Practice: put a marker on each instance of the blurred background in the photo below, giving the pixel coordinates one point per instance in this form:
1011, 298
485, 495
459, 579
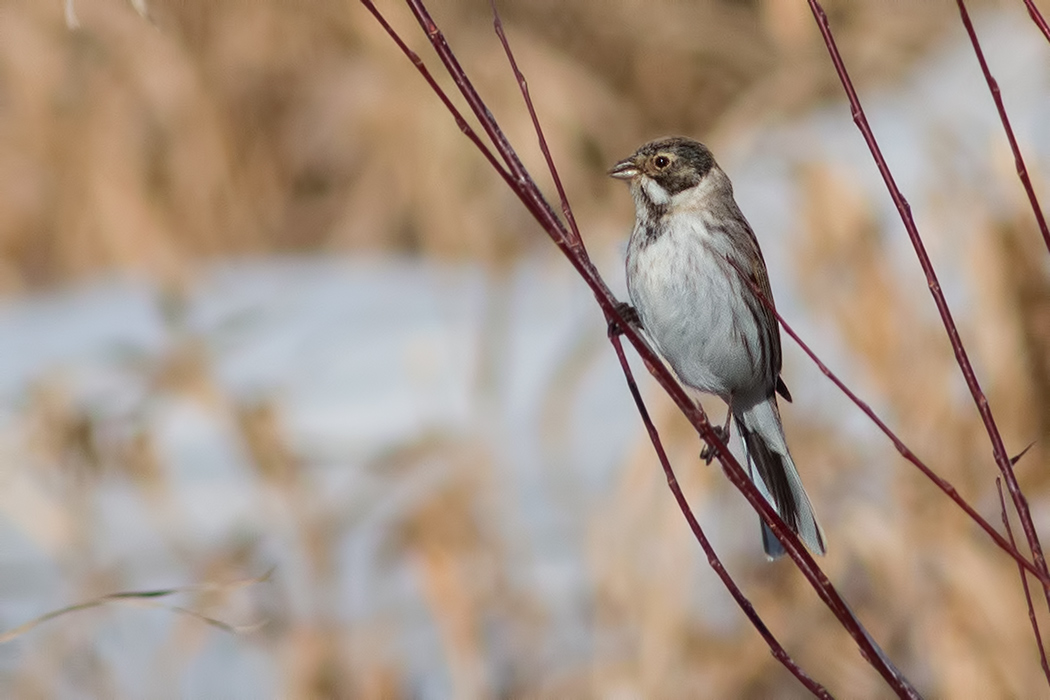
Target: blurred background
264, 307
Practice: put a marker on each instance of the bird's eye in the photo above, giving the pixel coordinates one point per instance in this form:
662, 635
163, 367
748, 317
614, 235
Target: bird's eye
661, 162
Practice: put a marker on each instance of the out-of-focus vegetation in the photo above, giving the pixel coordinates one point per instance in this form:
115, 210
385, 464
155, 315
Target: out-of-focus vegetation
227, 127
223, 128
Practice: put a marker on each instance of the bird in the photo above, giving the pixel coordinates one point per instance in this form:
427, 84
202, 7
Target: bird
693, 268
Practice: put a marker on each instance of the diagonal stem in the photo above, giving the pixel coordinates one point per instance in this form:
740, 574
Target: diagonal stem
525, 188
779, 653
524, 86
425, 72
1038, 18
993, 87
963, 360
942, 483
1024, 581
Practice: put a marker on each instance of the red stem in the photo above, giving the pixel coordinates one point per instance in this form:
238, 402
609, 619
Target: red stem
1024, 581
522, 184
422, 68
524, 86
903, 449
993, 86
1037, 17
779, 652
963, 360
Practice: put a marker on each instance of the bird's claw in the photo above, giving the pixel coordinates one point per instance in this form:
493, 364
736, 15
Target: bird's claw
709, 452
629, 315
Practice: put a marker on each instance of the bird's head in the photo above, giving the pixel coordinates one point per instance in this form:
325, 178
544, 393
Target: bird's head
661, 169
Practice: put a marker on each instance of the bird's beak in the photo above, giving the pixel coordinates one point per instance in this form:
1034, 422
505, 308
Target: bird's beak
624, 170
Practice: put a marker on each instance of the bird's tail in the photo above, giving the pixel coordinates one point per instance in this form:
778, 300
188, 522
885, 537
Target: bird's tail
773, 471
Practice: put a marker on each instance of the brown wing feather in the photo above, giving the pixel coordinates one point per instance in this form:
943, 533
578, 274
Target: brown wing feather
769, 325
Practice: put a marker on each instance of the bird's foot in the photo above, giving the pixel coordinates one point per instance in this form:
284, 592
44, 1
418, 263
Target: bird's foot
629, 315
710, 452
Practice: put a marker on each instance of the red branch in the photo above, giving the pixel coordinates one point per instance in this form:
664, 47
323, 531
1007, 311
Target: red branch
1037, 17
527, 191
963, 360
1024, 581
523, 84
891, 672
993, 86
712, 558
942, 483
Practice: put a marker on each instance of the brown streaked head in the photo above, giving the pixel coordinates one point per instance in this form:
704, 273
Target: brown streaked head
675, 163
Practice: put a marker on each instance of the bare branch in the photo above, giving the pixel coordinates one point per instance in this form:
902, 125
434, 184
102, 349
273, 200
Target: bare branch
993, 87
962, 359
425, 72
1024, 582
942, 483
712, 557
524, 86
527, 191
1037, 17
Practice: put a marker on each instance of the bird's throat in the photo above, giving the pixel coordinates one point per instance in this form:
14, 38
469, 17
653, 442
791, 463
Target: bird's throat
652, 202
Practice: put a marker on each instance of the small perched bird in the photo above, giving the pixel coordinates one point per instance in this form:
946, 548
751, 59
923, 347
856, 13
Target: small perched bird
690, 248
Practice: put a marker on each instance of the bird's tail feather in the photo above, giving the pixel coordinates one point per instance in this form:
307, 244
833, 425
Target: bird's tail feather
773, 471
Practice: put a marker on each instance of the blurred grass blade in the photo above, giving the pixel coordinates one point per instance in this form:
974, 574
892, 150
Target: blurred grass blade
142, 598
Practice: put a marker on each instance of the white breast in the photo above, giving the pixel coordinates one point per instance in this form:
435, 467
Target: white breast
689, 301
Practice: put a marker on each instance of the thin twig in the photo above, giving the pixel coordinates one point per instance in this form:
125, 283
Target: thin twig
527, 191
732, 468
1024, 581
425, 72
993, 86
776, 648
531, 196
963, 360
524, 86
779, 653
942, 483
1037, 17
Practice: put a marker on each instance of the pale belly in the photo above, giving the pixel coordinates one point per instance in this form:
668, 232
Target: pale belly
691, 307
